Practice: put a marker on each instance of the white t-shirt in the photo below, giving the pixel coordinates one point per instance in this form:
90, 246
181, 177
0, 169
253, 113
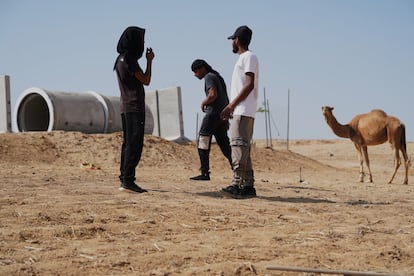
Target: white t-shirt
247, 62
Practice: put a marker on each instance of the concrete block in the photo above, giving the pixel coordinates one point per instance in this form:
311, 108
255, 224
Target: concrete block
167, 110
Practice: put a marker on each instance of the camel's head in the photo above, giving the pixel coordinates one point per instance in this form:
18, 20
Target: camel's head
327, 110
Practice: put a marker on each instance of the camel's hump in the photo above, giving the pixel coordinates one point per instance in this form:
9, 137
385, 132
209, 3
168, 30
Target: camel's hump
379, 112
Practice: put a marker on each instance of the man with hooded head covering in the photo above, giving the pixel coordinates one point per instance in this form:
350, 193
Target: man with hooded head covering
214, 102
131, 80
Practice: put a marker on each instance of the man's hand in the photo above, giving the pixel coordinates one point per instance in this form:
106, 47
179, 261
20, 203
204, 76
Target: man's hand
227, 112
149, 54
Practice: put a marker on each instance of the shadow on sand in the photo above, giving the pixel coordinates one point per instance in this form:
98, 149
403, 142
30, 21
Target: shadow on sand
217, 194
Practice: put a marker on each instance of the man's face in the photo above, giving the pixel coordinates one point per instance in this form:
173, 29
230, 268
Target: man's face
199, 73
235, 47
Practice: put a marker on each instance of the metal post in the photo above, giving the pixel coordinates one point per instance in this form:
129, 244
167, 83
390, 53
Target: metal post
265, 112
288, 119
270, 127
196, 134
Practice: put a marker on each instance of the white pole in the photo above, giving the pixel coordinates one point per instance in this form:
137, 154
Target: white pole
5, 110
327, 271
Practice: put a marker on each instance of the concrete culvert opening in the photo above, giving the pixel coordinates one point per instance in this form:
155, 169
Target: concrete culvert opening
33, 114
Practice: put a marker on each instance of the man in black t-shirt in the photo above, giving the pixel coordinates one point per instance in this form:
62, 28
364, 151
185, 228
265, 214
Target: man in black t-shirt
216, 99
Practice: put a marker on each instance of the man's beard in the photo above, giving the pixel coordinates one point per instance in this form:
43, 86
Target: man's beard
235, 49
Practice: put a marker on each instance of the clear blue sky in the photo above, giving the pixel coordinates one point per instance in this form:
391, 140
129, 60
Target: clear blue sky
355, 55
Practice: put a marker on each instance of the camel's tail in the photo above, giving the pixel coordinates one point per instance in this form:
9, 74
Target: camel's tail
403, 140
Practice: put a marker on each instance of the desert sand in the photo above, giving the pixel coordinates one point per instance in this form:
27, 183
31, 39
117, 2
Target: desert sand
61, 212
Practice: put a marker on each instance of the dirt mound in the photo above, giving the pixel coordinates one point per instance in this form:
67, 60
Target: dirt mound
27, 147
74, 148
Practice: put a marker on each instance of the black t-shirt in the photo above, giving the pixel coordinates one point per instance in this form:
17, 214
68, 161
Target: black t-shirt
222, 100
132, 90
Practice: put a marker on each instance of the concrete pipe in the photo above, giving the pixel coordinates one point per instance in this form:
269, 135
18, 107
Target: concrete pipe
89, 112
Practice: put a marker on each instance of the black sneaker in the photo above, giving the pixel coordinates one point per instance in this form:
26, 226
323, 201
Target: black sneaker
247, 192
234, 191
231, 191
205, 177
131, 188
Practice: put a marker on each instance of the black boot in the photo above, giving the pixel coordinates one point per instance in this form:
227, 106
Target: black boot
203, 176
205, 165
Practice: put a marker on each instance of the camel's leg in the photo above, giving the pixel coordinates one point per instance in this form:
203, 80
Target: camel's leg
366, 158
398, 143
397, 163
406, 164
403, 148
361, 163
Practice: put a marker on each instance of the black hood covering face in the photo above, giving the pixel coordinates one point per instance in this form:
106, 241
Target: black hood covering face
131, 42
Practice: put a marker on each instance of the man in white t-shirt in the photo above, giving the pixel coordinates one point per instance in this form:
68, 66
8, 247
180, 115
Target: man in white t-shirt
242, 109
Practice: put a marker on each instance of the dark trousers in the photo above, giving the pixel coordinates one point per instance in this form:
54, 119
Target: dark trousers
214, 125
133, 125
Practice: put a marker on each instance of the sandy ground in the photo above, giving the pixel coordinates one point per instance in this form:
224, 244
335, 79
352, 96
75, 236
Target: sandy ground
60, 218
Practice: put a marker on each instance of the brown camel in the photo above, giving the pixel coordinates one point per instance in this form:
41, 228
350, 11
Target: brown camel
370, 129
